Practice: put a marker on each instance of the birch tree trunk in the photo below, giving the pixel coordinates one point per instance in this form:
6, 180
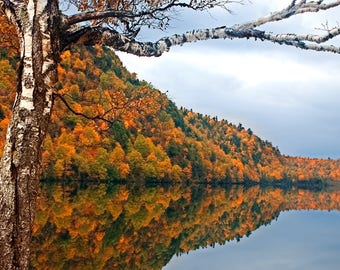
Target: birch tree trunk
43, 36
21, 161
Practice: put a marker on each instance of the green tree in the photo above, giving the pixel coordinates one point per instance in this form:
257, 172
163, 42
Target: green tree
136, 162
121, 134
142, 145
44, 32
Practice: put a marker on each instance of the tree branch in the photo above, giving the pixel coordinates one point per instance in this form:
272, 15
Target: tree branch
7, 7
96, 117
111, 38
96, 15
146, 9
293, 9
309, 38
129, 16
116, 104
92, 35
14, 10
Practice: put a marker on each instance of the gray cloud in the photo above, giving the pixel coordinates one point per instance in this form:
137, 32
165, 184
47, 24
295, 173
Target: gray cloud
287, 96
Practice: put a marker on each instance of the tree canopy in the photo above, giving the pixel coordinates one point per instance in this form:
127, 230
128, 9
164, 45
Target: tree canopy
44, 32
118, 23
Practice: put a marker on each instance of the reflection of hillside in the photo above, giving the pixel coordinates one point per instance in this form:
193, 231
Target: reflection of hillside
114, 227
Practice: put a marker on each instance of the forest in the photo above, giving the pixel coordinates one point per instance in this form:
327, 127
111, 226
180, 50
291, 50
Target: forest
110, 125
138, 227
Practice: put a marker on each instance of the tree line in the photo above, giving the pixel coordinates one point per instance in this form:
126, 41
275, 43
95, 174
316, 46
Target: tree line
139, 227
109, 125
44, 31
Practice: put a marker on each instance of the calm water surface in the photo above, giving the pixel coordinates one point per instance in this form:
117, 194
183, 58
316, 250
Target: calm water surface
297, 240
108, 226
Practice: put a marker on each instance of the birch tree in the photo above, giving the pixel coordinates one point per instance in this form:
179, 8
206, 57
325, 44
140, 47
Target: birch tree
44, 32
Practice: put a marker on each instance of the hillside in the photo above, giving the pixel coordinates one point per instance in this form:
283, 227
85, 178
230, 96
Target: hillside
109, 125
117, 227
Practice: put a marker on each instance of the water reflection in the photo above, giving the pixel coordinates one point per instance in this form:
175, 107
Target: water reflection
117, 227
298, 240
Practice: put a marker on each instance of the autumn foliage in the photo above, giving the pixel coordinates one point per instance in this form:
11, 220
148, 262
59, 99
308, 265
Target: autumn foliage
109, 125
120, 227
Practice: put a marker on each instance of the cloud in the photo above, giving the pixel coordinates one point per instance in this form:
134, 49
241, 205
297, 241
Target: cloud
285, 95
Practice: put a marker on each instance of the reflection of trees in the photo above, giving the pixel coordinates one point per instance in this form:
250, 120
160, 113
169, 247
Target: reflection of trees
116, 227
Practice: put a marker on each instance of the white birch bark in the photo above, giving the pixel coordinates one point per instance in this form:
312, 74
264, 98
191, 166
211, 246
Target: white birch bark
43, 34
20, 164
109, 37
112, 37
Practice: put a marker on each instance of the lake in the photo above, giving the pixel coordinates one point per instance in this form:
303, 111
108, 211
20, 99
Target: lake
108, 226
297, 240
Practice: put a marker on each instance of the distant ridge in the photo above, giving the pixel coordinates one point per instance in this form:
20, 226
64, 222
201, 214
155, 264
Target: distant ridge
109, 125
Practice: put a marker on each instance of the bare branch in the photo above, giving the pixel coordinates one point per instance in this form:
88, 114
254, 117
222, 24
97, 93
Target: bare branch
298, 41
7, 7
116, 104
293, 9
91, 35
138, 10
310, 38
130, 16
13, 9
109, 37
69, 107
96, 15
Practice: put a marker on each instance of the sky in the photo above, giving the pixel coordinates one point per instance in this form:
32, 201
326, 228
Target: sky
296, 240
287, 96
